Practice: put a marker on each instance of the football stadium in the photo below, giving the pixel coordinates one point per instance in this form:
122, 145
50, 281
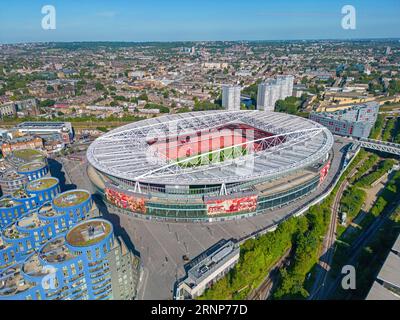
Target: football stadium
210, 165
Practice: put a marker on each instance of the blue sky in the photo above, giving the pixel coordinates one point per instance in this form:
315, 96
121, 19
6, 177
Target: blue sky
176, 20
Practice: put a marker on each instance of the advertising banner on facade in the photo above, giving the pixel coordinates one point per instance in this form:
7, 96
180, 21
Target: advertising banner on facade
232, 206
324, 172
126, 201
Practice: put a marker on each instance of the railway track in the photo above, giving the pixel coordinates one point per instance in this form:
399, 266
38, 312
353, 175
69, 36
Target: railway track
329, 241
262, 292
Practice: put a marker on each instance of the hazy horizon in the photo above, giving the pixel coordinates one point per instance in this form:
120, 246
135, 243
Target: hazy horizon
196, 21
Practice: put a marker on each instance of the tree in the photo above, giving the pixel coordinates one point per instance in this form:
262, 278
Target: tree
144, 97
99, 86
289, 105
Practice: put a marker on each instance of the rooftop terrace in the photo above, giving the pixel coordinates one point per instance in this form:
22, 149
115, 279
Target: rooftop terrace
32, 166
71, 198
11, 232
56, 251
31, 221
12, 282
11, 175
21, 194
88, 233
8, 203
41, 184
47, 211
33, 267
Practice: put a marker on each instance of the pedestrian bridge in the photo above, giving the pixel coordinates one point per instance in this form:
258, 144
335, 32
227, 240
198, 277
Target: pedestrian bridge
379, 145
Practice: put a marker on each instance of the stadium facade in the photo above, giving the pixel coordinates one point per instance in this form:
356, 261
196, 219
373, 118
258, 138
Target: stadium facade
208, 166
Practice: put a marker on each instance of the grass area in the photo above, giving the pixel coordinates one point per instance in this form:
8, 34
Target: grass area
41, 184
352, 201
205, 159
28, 154
31, 166
378, 172
377, 129
396, 138
103, 129
389, 130
79, 237
71, 198
370, 159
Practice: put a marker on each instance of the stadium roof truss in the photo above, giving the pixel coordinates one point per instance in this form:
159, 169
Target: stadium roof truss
295, 143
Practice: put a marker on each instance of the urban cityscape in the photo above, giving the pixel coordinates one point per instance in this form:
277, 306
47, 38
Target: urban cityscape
200, 169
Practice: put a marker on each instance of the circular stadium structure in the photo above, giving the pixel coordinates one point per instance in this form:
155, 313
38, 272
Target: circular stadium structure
210, 165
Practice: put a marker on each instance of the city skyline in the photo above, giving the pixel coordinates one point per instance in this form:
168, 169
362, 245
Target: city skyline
181, 21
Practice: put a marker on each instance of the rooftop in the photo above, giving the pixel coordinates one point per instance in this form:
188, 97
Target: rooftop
211, 262
89, 233
11, 175
390, 270
41, 184
20, 194
32, 267
41, 125
379, 292
71, 198
56, 251
6, 202
32, 166
28, 155
293, 142
47, 211
30, 221
341, 114
12, 281
11, 232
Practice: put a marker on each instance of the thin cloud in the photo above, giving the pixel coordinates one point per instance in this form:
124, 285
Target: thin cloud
107, 14
296, 14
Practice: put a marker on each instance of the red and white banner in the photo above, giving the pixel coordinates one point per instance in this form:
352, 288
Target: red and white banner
324, 172
124, 201
232, 206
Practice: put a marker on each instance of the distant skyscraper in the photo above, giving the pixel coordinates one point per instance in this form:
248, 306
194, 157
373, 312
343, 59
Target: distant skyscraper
231, 97
273, 90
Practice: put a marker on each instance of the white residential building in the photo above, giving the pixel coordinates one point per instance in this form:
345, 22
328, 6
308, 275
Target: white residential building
231, 97
273, 90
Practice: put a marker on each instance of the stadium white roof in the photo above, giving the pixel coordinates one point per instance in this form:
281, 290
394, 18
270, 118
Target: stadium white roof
125, 152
